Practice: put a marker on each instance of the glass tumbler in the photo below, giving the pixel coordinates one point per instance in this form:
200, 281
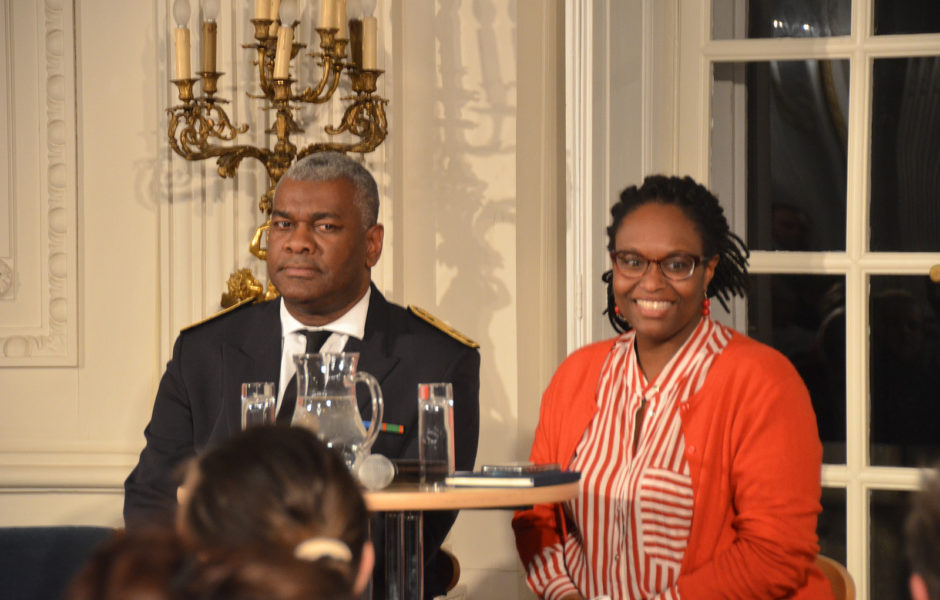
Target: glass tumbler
258, 401
435, 433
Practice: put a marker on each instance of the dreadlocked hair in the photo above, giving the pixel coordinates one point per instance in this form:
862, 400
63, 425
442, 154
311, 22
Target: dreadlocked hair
703, 209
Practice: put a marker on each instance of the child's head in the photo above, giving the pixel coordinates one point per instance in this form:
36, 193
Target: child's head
268, 576
279, 488
154, 565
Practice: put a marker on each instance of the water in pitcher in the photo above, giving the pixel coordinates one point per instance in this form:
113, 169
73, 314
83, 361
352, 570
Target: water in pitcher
305, 417
338, 425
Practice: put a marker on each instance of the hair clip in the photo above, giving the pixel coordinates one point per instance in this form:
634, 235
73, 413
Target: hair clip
313, 549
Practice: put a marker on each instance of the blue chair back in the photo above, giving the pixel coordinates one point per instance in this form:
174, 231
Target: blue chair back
37, 563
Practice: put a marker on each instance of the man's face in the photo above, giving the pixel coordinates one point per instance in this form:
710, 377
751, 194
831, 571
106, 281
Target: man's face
319, 253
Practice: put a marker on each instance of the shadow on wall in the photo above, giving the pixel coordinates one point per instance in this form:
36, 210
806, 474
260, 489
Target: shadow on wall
475, 155
472, 182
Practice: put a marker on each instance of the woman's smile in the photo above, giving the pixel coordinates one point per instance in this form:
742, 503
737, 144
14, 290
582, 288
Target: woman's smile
653, 308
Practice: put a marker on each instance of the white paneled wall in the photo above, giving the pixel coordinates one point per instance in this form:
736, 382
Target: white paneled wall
77, 325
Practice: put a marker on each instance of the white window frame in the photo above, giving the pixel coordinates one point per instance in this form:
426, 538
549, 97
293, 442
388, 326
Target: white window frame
676, 71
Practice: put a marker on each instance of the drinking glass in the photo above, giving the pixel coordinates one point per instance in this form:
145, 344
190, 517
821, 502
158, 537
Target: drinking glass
435, 433
258, 401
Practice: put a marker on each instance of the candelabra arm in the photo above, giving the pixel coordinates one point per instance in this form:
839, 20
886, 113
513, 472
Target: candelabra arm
330, 77
193, 125
331, 64
199, 120
231, 157
256, 247
265, 66
364, 117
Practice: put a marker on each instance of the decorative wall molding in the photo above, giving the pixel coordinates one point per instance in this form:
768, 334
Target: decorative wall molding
38, 279
579, 142
21, 471
6, 147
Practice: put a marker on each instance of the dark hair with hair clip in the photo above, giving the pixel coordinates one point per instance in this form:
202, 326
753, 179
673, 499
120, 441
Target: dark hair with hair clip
276, 575
153, 564
703, 209
274, 487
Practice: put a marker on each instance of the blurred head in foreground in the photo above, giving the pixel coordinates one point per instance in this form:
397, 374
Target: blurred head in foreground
155, 565
277, 489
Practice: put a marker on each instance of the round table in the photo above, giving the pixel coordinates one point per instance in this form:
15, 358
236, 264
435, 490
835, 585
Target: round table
404, 506
411, 497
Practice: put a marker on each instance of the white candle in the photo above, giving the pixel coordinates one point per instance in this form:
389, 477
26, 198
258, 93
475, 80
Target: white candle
275, 16
181, 39
341, 20
262, 9
369, 37
209, 29
210, 11
285, 39
327, 12
182, 53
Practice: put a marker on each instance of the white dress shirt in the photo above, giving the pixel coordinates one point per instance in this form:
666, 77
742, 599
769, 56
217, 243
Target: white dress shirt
351, 324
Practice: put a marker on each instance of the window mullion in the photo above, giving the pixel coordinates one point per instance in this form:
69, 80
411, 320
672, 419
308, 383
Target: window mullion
856, 307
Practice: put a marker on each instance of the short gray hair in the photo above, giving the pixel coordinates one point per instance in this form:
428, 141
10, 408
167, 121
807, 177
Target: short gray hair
326, 166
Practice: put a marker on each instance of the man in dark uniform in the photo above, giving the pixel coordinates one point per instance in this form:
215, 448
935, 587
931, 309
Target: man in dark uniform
322, 243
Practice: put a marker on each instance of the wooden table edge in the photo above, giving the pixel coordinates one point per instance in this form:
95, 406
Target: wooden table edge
410, 498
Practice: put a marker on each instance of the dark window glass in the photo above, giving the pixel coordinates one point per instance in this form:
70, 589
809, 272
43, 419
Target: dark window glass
907, 16
796, 151
831, 524
803, 316
780, 18
904, 373
905, 162
888, 569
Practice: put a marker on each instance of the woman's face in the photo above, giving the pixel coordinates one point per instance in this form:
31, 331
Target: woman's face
661, 311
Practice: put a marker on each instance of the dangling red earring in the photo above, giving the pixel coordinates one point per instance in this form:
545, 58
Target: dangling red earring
617, 311
706, 307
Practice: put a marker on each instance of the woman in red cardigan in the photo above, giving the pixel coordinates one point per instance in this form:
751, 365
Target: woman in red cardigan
697, 445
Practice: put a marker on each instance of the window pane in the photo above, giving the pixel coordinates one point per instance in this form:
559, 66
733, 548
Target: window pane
739, 19
791, 156
831, 525
887, 569
803, 316
904, 372
907, 16
905, 135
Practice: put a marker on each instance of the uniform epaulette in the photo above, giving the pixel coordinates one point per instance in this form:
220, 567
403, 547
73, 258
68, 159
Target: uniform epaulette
224, 311
437, 323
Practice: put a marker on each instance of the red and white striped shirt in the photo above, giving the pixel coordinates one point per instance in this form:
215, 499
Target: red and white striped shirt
630, 524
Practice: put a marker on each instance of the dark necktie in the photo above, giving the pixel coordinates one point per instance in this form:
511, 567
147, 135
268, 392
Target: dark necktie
315, 340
